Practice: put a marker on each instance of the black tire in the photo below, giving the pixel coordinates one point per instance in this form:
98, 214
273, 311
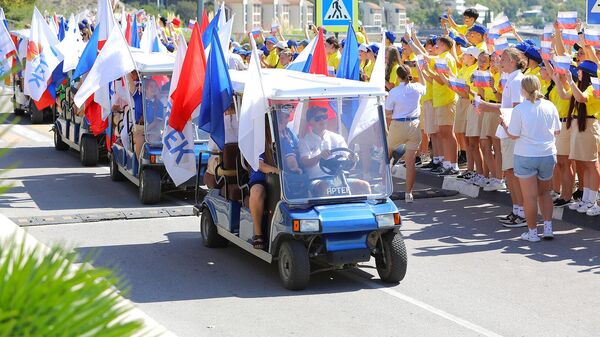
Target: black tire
115, 174
149, 186
391, 264
36, 116
59, 145
294, 265
88, 151
208, 229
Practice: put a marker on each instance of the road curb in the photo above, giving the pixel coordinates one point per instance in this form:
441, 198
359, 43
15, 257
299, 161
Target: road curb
496, 197
11, 231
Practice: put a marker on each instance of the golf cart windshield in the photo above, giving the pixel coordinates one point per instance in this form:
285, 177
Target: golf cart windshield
331, 149
156, 108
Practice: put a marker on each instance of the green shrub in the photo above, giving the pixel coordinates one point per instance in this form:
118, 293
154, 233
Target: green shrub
46, 294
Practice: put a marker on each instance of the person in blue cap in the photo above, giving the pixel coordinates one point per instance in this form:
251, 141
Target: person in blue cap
390, 38
585, 135
292, 45
272, 59
475, 36
533, 64
301, 45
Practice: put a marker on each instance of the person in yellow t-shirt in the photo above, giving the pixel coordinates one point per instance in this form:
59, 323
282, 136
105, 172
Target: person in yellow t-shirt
370, 56
585, 134
392, 57
444, 103
271, 60
533, 64
332, 48
475, 36
463, 107
390, 38
409, 58
470, 16
561, 98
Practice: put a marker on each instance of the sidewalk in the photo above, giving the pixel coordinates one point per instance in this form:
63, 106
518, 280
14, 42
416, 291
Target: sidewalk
498, 197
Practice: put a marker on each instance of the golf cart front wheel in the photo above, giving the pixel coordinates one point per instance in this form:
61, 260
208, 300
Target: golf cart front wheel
208, 229
88, 151
392, 261
59, 145
115, 174
37, 116
150, 186
294, 265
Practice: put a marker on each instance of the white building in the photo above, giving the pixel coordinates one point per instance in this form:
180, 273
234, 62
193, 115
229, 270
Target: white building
370, 14
395, 16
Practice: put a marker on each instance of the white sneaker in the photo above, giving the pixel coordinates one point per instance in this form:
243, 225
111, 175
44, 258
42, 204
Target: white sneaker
531, 238
585, 206
479, 180
554, 195
575, 205
408, 198
548, 234
594, 211
494, 185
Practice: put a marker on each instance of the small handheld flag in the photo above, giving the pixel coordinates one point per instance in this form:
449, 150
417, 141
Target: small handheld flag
562, 64
442, 66
458, 84
420, 60
592, 37
493, 34
570, 36
596, 86
567, 20
500, 44
502, 24
548, 31
502, 82
482, 79
546, 50
256, 33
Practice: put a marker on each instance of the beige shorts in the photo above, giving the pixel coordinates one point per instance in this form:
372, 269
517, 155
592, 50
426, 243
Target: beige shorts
563, 140
460, 119
489, 125
584, 145
507, 146
408, 133
213, 162
429, 121
445, 114
474, 122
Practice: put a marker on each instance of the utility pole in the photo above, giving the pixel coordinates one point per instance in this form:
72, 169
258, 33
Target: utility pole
200, 10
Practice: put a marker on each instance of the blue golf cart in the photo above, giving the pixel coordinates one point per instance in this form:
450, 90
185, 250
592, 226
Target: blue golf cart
137, 155
330, 215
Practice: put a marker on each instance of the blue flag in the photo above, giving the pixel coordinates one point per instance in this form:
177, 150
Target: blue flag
217, 95
88, 57
61, 29
135, 39
349, 67
212, 26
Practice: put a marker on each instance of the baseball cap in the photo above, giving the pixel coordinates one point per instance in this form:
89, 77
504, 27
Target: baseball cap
473, 51
363, 47
589, 67
477, 28
271, 39
281, 45
390, 36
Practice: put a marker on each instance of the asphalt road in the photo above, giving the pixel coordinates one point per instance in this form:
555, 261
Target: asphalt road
467, 276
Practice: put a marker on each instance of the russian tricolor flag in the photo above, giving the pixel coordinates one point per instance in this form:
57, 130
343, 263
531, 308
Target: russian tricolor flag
481, 79
500, 44
546, 49
592, 37
458, 84
502, 24
493, 34
420, 60
596, 86
256, 33
562, 64
502, 82
570, 36
548, 31
567, 20
442, 66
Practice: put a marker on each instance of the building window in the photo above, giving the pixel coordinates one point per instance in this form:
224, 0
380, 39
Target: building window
309, 15
377, 19
256, 15
285, 13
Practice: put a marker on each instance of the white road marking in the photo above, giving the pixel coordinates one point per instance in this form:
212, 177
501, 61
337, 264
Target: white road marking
460, 321
23, 131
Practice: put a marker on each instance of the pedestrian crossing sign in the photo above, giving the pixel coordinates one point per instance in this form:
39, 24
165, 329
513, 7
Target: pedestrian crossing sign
593, 12
334, 15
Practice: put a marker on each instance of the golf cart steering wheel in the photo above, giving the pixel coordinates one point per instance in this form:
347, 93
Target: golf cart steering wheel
339, 163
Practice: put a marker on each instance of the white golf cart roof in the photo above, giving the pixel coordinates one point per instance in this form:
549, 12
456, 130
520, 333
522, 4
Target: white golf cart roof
289, 84
152, 62
21, 33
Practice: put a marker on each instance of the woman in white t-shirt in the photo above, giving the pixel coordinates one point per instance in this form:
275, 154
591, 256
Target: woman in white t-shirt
534, 125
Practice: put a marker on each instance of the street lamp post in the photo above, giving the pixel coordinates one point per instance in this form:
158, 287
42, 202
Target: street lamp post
200, 10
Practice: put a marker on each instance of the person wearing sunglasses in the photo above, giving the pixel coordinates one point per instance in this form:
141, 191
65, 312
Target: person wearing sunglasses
316, 145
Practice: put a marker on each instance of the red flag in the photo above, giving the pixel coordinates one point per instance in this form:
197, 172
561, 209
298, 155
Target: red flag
45, 101
204, 22
128, 30
188, 94
318, 65
93, 113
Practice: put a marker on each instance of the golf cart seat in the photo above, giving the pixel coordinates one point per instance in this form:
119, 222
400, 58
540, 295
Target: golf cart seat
227, 172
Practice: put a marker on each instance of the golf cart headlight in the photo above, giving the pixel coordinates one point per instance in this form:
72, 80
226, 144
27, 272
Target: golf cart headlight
156, 159
388, 220
312, 225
